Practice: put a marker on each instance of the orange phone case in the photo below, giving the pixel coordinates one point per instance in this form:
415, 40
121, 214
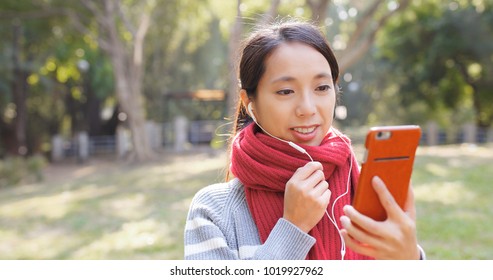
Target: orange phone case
390, 152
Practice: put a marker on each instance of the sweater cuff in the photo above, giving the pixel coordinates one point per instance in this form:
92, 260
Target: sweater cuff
287, 242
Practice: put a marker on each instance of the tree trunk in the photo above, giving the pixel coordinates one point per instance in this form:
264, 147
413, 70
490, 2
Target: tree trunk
71, 107
477, 104
271, 13
19, 94
92, 111
319, 10
128, 66
234, 55
127, 60
129, 94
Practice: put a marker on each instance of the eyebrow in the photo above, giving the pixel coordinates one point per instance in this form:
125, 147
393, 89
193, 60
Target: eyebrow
289, 78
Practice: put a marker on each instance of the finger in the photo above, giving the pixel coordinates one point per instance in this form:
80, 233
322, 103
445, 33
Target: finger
365, 223
324, 198
310, 172
320, 188
386, 199
360, 232
355, 232
307, 170
309, 185
363, 242
356, 246
409, 206
315, 179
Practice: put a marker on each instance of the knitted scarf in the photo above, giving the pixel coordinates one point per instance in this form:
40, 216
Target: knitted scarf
264, 165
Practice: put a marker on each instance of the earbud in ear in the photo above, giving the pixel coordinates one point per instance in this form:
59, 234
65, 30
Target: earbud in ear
250, 111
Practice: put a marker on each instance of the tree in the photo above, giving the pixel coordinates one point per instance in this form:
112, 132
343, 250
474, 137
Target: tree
19, 91
318, 10
355, 37
360, 32
443, 62
234, 47
121, 33
25, 46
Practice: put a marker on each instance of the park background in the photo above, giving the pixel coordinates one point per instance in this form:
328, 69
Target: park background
113, 114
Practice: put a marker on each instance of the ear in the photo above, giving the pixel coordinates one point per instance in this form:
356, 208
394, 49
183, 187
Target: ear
247, 102
244, 98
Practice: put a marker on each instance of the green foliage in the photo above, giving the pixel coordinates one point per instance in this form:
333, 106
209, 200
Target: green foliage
438, 54
432, 60
16, 170
49, 52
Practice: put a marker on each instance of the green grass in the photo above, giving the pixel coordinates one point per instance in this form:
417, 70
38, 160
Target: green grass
454, 193
108, 210
105, 210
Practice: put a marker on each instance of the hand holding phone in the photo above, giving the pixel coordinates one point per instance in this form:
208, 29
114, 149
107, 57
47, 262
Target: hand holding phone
390, 152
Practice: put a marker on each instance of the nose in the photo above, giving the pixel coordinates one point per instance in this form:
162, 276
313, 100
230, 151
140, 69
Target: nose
306, 105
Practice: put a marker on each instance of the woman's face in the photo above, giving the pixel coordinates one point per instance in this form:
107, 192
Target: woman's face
296, 96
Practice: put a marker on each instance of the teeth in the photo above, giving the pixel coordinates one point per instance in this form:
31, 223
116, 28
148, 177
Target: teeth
304, 130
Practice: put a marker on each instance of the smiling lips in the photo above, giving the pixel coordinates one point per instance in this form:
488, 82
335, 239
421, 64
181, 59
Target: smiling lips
304, 134
304, 130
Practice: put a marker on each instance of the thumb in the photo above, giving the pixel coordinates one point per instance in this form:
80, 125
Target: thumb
386, 199
409, 206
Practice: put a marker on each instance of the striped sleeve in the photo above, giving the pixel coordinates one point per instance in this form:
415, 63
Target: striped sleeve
204, 238
286, 242
219, 226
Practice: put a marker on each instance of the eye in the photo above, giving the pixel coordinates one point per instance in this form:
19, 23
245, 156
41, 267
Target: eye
323, 88
285, 91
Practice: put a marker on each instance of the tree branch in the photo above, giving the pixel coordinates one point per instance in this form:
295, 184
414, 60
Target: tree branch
271, 13
353, 54
91, 6
139, 41
108, 22
362, 23
9, 15
319, 9
233, 55
125, 20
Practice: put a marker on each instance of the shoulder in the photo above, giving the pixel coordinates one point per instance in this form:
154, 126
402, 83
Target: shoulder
210, 230
220, 192
215, 198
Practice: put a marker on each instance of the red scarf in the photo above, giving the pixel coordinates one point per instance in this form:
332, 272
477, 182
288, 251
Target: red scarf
264, 165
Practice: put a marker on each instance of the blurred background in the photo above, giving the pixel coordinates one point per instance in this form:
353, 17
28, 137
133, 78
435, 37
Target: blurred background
113, 114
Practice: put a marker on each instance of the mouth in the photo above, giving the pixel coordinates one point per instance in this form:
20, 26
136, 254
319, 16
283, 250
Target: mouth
304, 130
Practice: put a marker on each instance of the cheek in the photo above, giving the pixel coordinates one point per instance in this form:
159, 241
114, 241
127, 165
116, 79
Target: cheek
329, 108
275, 117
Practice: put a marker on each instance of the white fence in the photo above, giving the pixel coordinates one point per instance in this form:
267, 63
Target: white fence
178, 136
182, 134
432, 135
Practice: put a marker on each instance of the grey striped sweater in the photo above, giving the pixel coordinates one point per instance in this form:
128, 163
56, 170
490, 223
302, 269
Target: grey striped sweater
219, 226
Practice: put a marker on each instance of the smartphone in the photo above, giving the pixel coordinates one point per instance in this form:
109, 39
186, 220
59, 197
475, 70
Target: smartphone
390, 152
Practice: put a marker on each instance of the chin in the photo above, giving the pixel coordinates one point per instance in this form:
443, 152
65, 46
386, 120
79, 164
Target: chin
314, 143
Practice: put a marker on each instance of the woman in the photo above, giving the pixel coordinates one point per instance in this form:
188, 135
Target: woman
294, 174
